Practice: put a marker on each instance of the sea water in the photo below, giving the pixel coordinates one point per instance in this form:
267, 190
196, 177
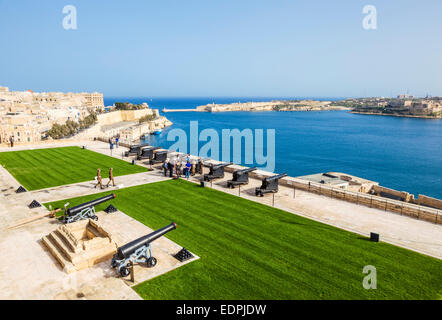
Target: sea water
400, 153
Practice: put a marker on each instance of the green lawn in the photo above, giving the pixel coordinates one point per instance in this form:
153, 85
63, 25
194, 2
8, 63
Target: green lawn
252, 251
44, 168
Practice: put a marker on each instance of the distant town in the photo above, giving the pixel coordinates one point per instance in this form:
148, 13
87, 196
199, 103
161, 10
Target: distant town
403, 106
29, 117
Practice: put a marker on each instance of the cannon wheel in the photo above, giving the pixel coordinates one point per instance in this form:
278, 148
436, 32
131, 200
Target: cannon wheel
124, 272
151, 262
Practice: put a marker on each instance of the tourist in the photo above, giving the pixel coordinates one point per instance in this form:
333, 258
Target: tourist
99, 179
193, 168
199, 167
11, 141
165, 166
188, 165
111, 145
178, 169
111, 177
170, 167
117, 140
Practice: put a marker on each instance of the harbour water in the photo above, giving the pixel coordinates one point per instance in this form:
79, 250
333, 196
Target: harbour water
400, 153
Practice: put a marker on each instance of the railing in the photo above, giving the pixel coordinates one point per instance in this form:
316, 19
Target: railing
372, 201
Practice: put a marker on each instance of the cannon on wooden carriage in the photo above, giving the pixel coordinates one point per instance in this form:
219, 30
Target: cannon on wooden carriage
146, 152
216, 171
138, 251
134, 150
240, 177
269, 184
85, 210
159, 156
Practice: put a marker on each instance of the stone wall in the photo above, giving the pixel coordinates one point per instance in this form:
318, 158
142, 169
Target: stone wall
386, 192
428, 201
109, 118
372, 201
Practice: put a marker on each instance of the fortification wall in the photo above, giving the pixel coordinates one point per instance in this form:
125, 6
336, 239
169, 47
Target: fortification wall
405, 196
122, 115
428, 201
403, 208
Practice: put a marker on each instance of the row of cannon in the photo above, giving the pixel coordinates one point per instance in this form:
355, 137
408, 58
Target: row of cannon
146, 152
241, 177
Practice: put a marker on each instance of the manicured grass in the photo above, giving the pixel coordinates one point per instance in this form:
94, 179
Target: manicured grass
44, 168
252, 251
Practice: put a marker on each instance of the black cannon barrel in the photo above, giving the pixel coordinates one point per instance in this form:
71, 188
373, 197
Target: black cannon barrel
221, 165
73, 210
241, 171
279, 176
126, 250
149, 148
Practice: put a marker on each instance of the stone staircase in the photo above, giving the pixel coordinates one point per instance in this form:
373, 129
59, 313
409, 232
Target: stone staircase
59, 250
79, 245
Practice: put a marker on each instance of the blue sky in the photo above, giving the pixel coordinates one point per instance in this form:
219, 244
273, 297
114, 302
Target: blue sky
223, 48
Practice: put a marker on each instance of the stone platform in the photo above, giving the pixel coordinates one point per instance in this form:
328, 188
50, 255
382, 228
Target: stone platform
80, 245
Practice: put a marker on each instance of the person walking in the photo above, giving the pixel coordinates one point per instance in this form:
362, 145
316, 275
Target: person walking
165, 166
111, 146
11, 141
111, 177
188, 165
99, 179
117, 140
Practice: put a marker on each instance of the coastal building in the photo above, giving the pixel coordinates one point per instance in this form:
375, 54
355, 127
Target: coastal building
94, 100
404, 96
27, 115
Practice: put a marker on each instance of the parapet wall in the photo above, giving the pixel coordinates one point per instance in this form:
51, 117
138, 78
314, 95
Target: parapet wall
403, 208
122, 115
402, 195
428, 201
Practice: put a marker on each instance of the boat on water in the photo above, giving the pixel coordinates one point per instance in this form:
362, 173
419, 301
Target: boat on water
157, 132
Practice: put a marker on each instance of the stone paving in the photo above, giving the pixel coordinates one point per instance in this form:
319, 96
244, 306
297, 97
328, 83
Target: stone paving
28, 270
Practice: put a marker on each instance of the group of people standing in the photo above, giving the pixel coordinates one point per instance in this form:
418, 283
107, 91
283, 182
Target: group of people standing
114, 141
100, 179
187, 168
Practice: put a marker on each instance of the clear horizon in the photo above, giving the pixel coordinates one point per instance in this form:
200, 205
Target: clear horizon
223, 49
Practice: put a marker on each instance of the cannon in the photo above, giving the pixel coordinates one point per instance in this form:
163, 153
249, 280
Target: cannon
133, 150
159, 156
146, 152
85, 210
138, 251
216, 171
269, 184
240, 177
199, 166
